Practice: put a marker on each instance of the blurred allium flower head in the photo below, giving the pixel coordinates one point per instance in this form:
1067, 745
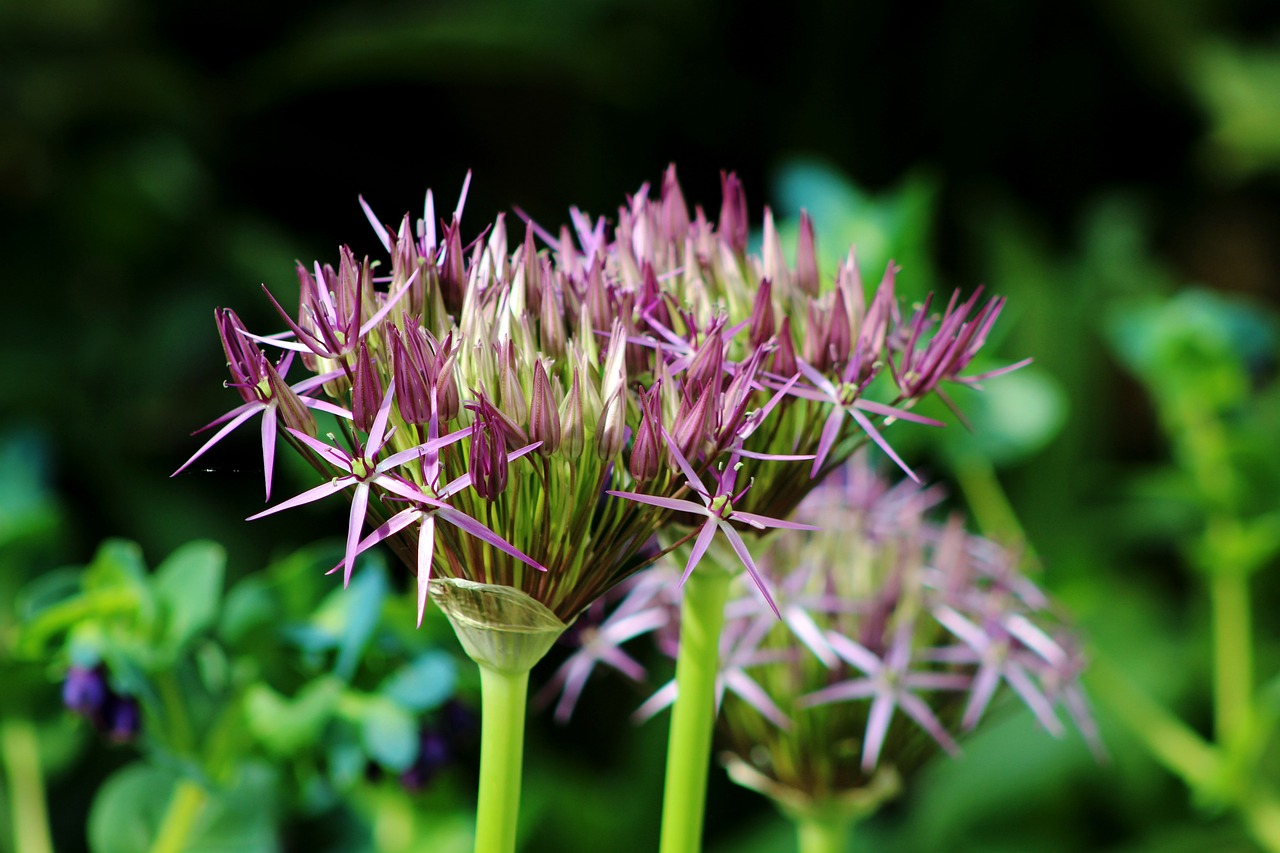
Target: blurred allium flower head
897, 635
529, 409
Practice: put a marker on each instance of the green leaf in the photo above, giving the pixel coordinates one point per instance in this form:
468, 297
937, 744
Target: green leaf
389, 734
130, 808
423, 684
250, 604
285, 727
189, 584
117, 563
350, 615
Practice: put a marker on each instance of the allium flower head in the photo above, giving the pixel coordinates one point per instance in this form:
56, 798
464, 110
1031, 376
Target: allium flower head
560, 398
896, 635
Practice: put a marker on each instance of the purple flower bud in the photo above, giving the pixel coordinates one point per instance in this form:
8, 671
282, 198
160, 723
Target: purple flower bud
488, 457
573, 431
544, 419
675, 212
784, 357
733, 227
807, 276
513, 403
366, 393
763, 324
448, 400
453, 276
839, 331
815, 339
691, 423
85, 690
551, 331
648, 449
611, 428
122, 718
532, 272
410, 369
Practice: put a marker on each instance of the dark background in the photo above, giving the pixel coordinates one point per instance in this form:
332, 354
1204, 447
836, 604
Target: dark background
161, 159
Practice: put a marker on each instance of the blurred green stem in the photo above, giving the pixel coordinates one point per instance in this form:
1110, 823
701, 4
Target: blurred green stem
823, 834
991, 508
1169, 740
185, 807
502, 708
693, 716
1232, 655
27, 809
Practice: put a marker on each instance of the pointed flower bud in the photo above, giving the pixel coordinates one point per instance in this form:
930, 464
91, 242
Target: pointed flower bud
807, 277
573, 433
675, 212
488, 457
648, 449
513, 404
611, 429
544, 418
366, 393
784, 357
409, 363
292, 411
762, 320
839, 331
733, 227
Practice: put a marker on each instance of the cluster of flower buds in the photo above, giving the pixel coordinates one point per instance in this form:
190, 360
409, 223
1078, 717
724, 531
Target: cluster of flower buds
87, 693
557, 402
896, 634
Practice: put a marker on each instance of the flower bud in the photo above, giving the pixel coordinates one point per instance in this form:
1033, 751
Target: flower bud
544, 419
675, 212
762, 320
773, 260
784, 357
488, 459
366, 392
807, 277
647, 450
733, 227
293, 412
839, 331
573, 435
513, 404
690, 428
815, 338
551, 332
611, 428
412, 376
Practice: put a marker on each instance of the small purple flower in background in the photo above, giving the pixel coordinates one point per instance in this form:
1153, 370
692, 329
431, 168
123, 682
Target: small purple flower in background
87, 692
896, 636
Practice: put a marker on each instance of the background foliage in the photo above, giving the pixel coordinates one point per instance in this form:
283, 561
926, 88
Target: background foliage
1111, 167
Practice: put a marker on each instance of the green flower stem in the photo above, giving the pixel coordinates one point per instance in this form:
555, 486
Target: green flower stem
823, 834
28, 812
694, 713
185, 807
502, 709
1232, 656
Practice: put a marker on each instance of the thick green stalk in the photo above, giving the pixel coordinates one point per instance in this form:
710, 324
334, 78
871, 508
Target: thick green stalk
1232, 655
28, 812
826, 834
694, 713
502, 704
185, 807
